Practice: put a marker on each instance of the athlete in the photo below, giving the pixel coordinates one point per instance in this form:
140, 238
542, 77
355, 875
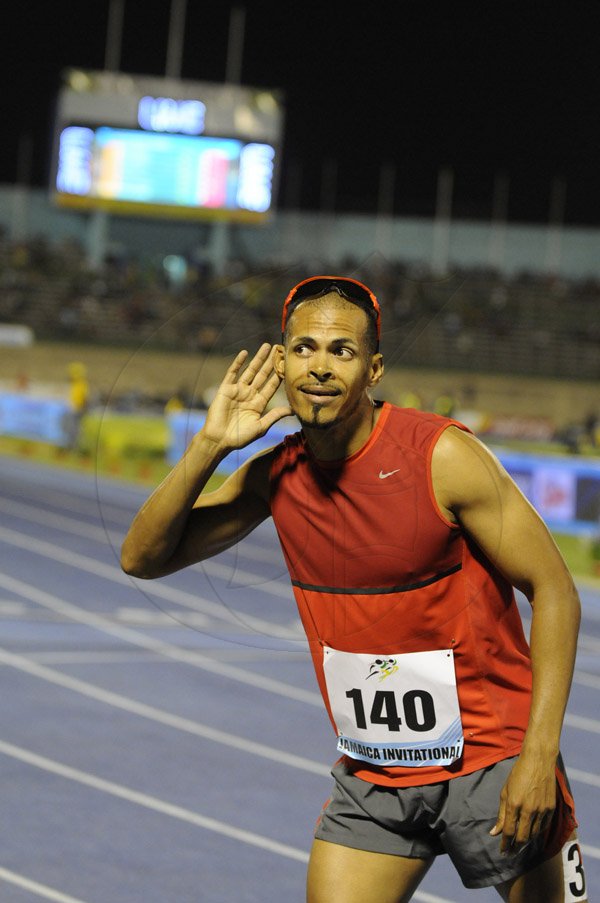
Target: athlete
404, 538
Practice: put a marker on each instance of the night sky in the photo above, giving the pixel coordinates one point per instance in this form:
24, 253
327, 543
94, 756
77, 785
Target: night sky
509, 89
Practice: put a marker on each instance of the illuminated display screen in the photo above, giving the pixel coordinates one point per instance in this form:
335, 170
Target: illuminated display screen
116, 167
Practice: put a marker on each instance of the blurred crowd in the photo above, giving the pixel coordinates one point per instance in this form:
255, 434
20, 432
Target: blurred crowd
476, 320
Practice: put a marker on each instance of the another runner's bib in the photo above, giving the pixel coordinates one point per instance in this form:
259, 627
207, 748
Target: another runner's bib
395, 709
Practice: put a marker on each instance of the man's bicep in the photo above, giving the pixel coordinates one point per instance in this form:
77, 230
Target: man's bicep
514, 537
215, 528
472, 483
221, 518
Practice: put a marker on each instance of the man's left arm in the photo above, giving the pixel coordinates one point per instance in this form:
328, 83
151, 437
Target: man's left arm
473, 489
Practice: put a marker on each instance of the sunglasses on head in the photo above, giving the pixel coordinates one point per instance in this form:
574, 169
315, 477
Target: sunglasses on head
316, 286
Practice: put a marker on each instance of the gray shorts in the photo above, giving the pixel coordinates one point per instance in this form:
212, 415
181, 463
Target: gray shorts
453, 817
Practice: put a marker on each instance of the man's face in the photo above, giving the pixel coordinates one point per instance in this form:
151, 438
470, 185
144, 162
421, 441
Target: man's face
325, 365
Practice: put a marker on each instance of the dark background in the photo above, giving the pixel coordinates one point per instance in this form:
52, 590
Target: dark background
490, 90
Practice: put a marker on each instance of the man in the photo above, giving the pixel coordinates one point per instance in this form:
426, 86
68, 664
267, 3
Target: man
404, 538
79, 396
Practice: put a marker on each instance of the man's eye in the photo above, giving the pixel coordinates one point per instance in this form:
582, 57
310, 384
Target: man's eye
344, 353
302, 349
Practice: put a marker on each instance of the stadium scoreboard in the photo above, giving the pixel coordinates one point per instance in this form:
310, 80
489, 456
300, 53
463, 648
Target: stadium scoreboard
143, 145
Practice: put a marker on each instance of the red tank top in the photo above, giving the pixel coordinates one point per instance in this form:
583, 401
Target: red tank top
376, 568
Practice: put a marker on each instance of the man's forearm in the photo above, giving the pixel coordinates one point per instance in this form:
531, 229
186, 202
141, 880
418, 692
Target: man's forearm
158, 526
553, 643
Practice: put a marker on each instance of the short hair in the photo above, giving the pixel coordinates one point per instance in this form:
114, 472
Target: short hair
370, 338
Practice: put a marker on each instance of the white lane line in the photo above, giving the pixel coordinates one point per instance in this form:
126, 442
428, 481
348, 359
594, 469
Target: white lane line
125, 614
591, 725
586, 642
212, 567
11, 609
164, 808
151, 802
592, 852
161, 590
149, 616
428, 898
145, 617
194, 658
127, 704
584, 777
180, 597
58, 521
93, 691
585, 679
189, 600
92, 657
41, 890
247, 548
168, 650
123, 517
97, 657
101, 623
90, 506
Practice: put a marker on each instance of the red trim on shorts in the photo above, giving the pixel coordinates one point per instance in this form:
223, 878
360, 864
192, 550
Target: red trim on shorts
322, 812
563, 821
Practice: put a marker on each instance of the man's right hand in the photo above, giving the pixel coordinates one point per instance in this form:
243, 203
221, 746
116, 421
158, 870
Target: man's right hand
238, 414
162, 537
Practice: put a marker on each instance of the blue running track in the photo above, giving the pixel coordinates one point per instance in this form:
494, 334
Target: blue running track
164, 741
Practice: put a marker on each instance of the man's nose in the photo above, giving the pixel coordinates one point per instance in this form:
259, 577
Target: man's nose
320, 369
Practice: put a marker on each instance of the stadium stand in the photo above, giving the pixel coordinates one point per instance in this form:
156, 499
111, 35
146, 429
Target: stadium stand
475, 320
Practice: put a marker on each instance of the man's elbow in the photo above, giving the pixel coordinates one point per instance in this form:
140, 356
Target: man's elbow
556, 589
566, 595
135, 565
575, 602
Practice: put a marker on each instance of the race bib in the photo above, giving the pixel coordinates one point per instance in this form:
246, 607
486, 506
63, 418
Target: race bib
573, 873
395, 710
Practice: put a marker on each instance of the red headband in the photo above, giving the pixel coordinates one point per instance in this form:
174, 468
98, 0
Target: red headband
351, 289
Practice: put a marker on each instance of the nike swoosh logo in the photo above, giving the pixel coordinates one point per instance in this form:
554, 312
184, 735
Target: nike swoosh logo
384, 476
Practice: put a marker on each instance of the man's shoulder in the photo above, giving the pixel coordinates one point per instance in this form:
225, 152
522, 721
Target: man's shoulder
289, 447
267, 463
416, 428
417, 415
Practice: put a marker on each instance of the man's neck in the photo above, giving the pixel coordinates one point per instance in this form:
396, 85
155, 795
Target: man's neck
343, 439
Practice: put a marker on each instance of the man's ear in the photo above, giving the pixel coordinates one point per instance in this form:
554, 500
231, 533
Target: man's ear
279, 360
377, 369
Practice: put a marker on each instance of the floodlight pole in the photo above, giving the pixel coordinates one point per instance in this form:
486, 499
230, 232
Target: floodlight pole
327, 205
558, 195
499, 220
176, 39
441, 225
385, 208
220, 231
20, 194
235, 46
114, 35
98, 220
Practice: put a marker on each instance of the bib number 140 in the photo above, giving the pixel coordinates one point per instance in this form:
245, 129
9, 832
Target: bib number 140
418, 710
